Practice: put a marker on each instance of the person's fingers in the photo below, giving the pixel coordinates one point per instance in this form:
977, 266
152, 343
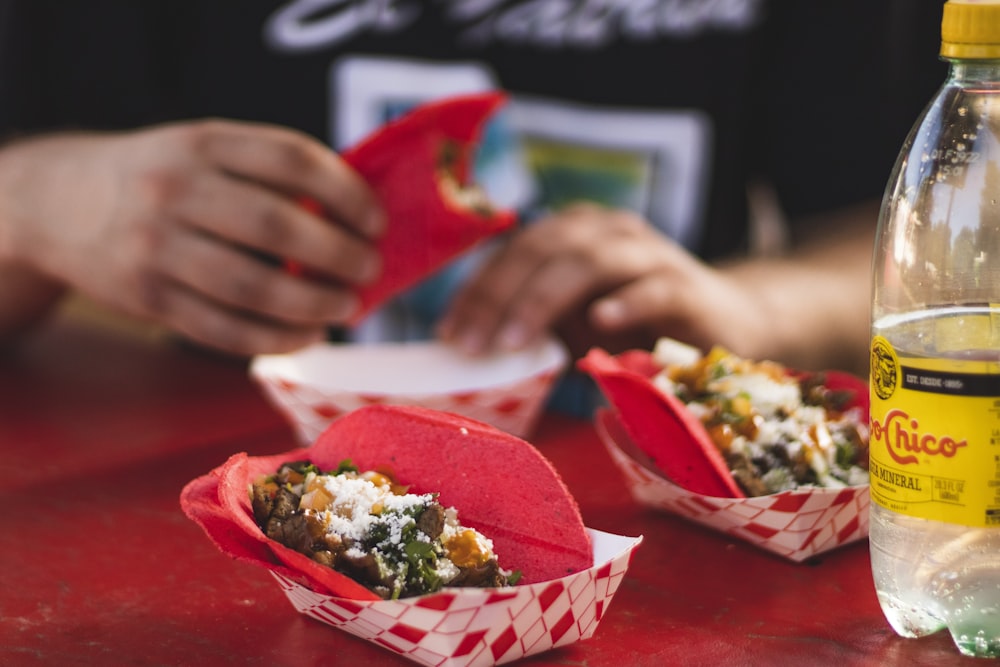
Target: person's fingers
250, 215
235, 279
569, 281
555, 289
688, 301
546, 270
639, 303
294, 163
480, 305
205, 322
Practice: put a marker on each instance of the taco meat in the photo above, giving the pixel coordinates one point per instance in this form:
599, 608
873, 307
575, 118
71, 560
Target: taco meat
368, 527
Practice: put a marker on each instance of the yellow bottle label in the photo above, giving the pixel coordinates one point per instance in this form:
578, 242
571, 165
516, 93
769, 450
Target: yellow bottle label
935, 436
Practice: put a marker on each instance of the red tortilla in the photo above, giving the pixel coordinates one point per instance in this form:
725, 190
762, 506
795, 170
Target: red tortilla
500, 485
661, 425
666, 431
404, 163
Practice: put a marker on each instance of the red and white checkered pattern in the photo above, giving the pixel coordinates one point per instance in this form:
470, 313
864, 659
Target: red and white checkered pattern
513, 408
474, 626
795, 524
304, 386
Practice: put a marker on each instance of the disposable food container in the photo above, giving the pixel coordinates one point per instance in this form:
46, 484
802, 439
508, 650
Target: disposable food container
670, 463
796, 525
317, 384
567, 573
481, 626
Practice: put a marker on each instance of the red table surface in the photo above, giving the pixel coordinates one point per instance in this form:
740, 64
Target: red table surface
98, 566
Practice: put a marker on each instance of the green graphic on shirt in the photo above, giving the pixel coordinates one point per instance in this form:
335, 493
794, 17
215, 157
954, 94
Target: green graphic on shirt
567, 173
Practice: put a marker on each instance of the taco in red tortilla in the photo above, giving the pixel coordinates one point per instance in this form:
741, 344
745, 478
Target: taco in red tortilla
720, 425
420, 167
500, 486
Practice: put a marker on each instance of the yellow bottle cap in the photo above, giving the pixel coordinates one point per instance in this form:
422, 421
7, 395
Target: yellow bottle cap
970, 29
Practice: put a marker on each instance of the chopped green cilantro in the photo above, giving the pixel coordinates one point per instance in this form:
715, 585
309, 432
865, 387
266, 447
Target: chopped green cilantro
345, 466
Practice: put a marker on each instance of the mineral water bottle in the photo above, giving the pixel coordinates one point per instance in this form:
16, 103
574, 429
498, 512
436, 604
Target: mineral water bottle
935, 354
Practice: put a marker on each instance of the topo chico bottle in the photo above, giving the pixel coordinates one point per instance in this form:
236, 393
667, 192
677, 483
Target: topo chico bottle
935, 354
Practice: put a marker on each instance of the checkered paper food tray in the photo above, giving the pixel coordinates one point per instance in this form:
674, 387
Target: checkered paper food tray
474, 626
796, 525
315, 386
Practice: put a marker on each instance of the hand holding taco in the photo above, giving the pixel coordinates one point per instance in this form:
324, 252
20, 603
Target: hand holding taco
420, 168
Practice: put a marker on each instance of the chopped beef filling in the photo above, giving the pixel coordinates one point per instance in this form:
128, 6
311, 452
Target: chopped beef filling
775, 431
369, 528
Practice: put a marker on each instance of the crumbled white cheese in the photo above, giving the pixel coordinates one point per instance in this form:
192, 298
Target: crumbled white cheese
357, 501
665, 384
446, 570
670, 352
769, 396
781, 419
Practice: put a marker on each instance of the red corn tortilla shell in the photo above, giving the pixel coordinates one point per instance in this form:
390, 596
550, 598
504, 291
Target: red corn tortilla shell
427, 224
669, 434
661, 425
500, 485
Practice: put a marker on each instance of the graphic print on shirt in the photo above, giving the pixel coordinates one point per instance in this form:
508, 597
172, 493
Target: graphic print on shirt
536, 156
306, 25
540, 153
651, 162
365, 92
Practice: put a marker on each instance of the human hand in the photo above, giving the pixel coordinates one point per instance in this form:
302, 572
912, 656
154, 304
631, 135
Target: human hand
600, 277
186, 225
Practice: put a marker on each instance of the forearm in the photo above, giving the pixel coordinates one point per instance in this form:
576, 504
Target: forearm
815, 301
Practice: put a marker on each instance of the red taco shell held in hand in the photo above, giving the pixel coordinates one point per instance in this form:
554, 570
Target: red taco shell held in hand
420, 169
499, 484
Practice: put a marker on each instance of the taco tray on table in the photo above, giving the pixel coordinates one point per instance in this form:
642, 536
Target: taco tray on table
101, 561
403, 526
769, 455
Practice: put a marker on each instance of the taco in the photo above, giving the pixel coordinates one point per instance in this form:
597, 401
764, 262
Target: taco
420, 167
500, 486
363, 523
721, 425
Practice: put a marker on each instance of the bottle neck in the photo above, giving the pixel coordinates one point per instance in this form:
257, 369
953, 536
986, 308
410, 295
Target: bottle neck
966, 72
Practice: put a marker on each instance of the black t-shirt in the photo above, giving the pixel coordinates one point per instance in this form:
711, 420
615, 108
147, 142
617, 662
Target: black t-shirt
670, 107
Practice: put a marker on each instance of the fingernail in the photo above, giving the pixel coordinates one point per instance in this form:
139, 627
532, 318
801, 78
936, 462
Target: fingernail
445, 328
610, 311
513, 336
349, 305
472, 342
373, 224
371, 268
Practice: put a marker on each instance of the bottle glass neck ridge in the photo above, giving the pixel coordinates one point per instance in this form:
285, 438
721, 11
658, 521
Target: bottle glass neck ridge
967, 72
